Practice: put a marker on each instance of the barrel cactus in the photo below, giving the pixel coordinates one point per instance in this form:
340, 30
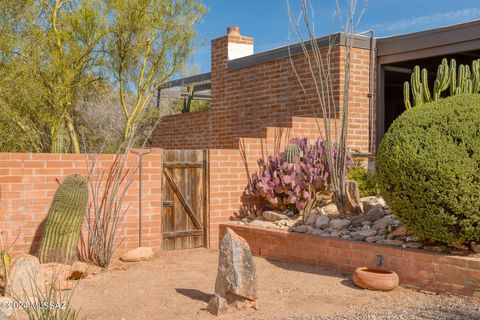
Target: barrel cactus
64, 221
292, 153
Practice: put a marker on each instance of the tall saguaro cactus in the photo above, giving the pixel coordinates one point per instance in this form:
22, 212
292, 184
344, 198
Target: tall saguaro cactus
64, 221
464, 80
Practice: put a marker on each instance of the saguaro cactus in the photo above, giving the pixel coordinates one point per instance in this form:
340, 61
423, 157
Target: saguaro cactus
64, 221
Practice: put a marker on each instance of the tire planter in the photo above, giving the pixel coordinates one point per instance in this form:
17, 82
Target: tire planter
374, 279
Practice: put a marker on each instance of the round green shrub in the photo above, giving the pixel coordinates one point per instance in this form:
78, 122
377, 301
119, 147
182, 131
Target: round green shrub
428, 169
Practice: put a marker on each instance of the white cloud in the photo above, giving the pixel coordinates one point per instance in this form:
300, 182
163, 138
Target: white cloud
421, 23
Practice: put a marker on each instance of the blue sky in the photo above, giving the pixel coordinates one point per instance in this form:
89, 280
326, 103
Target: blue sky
267, 20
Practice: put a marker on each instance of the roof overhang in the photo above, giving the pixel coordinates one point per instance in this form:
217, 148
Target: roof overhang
435, 42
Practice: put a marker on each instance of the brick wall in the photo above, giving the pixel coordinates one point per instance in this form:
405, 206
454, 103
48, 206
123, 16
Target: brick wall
255, 111
28, 182
419, 269
246, 101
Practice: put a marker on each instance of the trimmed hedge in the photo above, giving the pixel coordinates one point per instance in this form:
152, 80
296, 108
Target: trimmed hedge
428, 169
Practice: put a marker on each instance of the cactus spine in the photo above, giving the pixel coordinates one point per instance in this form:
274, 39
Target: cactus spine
292, 153
64, 221
464, 81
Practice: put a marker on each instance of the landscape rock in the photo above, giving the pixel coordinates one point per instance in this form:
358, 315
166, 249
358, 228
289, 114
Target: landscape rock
371, 202
384, 222
274, 216
138, 254
401, 231
79, 270
371, 216
322, 222
6, 308
363, 234
302, 228
374, 239
475, 246
311, 219
413, 245
23, 276
53, 273
329, 210
339, 224
236, 282
391, 242
261, 223
353, 203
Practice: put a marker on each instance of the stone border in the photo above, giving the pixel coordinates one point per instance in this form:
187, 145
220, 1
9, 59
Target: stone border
419, 269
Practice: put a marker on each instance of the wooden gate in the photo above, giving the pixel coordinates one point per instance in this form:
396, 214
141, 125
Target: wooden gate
185, 195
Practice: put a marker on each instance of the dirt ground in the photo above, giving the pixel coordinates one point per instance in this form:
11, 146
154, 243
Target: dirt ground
178, 285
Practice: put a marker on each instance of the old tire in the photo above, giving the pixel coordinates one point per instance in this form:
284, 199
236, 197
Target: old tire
374, 279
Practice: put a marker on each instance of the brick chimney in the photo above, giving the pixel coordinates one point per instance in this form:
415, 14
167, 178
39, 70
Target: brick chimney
229, 47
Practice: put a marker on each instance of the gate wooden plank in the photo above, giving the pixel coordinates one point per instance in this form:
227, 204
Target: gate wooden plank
185, 216
182, 199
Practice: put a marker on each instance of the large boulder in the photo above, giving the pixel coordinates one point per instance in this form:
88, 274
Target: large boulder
236, 283
22, 278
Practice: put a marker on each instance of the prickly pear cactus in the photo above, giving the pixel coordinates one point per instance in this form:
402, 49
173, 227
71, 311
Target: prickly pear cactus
64, 221
292, 153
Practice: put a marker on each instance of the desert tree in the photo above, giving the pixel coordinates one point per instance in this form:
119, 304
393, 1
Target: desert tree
334, 110
149, 43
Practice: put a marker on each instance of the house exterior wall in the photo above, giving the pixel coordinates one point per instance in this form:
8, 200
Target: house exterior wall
256, 110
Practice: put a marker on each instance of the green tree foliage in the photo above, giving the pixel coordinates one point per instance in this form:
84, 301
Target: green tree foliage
150, 42
54, 54
428, 169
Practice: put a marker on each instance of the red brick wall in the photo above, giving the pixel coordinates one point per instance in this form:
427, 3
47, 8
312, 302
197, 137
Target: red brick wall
248, 100
28, 182
416, 268
255, 111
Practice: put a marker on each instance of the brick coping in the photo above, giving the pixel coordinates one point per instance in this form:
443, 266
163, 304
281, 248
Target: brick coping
420, 269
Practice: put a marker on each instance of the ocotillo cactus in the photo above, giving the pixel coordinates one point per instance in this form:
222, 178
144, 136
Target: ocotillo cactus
64, 221
292, 153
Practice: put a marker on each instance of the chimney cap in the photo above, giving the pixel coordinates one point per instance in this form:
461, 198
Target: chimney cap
233, 30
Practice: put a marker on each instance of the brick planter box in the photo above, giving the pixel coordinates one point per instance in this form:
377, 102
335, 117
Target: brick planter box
418, 269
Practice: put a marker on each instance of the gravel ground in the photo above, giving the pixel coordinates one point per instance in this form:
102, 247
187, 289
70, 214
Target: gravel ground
438, 307
178, 284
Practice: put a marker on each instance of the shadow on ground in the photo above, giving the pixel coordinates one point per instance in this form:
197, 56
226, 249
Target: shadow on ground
195, 294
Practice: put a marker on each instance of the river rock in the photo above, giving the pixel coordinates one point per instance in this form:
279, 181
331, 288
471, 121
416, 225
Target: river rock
363, 234
372, 215
339, 224
311, 219
236, 282
374, 239
391, 242
329, 210
384, 222
261, 223
79, 270
322, 222
23, 276
401, 231
274, 216
138, 254
352, 199
371, 202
